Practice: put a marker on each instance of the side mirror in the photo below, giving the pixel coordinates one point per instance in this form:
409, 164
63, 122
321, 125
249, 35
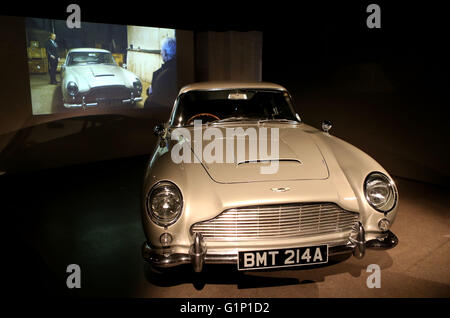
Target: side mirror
326, 126
124, 66
158, 130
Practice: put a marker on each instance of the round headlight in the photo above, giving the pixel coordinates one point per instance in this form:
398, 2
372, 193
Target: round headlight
72, 88
137, 85
164, 203
380, 192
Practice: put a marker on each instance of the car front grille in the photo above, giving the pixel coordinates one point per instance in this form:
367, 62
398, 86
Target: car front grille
104, 93
277, 221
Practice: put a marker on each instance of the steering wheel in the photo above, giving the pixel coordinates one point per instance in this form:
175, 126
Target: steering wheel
200, 115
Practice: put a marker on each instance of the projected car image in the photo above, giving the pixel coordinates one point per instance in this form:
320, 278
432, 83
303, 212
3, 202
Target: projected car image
325, 198
91, 77
100, 68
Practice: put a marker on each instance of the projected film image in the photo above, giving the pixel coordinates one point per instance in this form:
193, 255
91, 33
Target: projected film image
99, 66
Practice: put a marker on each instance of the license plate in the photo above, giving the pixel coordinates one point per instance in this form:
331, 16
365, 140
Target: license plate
297, 256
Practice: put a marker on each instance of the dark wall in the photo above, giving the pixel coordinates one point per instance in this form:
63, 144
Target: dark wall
15, 108
228, 56
386, 90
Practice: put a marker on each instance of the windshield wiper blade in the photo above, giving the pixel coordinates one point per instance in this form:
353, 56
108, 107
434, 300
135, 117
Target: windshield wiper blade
230, 119
276, 119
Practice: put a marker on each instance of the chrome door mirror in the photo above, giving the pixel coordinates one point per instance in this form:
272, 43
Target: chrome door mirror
326, 126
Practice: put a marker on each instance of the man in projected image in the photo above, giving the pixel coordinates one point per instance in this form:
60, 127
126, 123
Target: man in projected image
53, 57
163, 89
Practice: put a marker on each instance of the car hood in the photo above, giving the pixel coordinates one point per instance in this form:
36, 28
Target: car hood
95, 75
299, 157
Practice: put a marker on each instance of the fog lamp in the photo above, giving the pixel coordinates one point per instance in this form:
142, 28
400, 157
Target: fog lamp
166, 239
384, 225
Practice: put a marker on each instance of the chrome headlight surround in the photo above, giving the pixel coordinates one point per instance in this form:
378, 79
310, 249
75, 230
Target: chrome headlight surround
72, 88
164, 203
380, 192
137, 85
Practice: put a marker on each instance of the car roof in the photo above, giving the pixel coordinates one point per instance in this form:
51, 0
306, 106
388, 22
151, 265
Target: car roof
211, 86
88, 49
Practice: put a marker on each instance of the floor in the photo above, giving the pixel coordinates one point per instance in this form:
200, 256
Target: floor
89, 215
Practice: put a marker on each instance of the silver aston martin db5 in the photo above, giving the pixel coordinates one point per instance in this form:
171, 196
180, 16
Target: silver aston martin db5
91, 77
237, 178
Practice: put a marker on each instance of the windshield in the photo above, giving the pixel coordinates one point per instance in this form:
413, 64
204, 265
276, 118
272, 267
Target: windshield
232, 105
79, 58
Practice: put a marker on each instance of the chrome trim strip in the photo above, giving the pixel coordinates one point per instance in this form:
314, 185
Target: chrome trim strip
80, 105
131, 100
124, 101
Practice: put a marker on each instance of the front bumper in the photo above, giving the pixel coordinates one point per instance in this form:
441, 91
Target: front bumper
198, 253
85, 104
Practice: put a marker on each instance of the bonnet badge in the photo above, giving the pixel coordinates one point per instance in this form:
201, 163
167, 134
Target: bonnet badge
280, 189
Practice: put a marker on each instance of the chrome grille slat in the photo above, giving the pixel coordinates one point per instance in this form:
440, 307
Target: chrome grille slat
290, 220
256, 229
270, 232
268, 225
247, 214
233, 214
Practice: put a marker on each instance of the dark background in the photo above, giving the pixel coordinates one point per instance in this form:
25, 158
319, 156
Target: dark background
87, 36
385, 90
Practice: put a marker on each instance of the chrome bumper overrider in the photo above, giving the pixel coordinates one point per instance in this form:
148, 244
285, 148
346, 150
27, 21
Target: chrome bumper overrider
198, 255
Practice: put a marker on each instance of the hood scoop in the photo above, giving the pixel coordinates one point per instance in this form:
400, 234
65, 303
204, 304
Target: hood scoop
298, 158
100, 72
291, 162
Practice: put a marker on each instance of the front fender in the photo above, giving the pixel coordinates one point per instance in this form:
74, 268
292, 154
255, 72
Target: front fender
355, 165
190, 178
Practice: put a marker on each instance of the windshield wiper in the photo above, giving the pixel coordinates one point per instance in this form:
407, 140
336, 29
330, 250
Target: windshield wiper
238, 118
276, 119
